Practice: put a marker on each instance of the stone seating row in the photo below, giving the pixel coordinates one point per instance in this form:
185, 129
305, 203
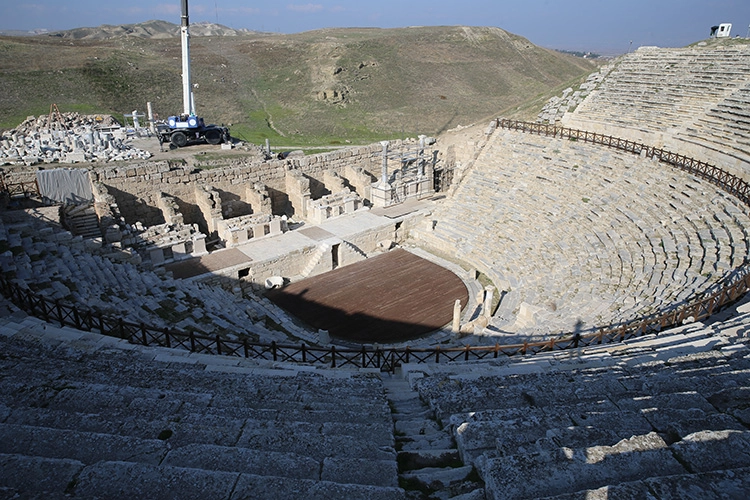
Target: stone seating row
658, 90
56, 270
725, 127
112, 421
594, 240
649, 413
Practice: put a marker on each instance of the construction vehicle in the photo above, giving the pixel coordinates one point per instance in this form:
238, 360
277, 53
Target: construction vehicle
187, 128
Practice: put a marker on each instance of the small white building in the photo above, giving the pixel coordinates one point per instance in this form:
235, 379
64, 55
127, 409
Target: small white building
721, 31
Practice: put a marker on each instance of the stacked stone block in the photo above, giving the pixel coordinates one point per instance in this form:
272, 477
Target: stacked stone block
78, 139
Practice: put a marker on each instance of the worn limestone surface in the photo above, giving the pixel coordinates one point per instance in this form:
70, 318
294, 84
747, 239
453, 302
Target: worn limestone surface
97, 417
661, 418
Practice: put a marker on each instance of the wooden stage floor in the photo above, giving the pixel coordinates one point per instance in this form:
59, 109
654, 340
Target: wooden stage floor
391, 297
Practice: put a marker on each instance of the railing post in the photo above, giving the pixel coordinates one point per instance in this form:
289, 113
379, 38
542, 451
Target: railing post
304, 353
244, 345
218, 344
497, 349
407, 355
45, 310
364, 357
32, 307
121, 327
58, 307
167, 342
273, 350
100, 317
333, 356
76, 318
466, 353
437, 354
192, 342
144, 337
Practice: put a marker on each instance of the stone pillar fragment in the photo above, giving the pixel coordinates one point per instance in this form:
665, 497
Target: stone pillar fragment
384, 169
489, 293
456, 327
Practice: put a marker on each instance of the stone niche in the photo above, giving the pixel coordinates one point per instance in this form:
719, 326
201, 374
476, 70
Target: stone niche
239, 230
333, 205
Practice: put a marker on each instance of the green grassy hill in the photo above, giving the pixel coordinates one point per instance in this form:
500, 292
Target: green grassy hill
321, 87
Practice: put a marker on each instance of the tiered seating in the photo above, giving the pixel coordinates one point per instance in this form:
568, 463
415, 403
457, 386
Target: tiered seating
586, 233
80, 416
723, 132
54, 265
657, 90
658, 417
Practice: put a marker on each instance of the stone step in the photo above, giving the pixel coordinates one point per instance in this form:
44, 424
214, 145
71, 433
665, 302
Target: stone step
127, 480
76, 395
506, 436
431, 478
270, 463
37, 477
317, 446
87, 448
712, 450
419, 459
568, 470
730, 483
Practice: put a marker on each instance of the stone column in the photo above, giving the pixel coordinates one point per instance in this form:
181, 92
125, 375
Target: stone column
456, 327
489, 292
420, 156
384, 172
381, 195
150, 112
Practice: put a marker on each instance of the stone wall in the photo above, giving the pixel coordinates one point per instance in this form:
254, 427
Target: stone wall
137, 186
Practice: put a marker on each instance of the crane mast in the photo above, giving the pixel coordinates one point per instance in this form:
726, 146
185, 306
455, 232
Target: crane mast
188, 107
187, 128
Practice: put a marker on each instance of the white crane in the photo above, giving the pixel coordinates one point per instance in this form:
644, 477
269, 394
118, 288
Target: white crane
187, 127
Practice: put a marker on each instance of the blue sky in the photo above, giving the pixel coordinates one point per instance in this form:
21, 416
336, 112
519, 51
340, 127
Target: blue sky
604, 26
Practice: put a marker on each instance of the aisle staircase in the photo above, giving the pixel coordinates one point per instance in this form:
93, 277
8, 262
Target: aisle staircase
428, 461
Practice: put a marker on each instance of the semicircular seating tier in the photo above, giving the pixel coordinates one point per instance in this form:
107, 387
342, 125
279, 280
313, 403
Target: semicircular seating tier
693, 100
577, 232
49, 263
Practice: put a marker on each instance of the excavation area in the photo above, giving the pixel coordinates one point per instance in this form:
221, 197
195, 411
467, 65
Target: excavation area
392, 297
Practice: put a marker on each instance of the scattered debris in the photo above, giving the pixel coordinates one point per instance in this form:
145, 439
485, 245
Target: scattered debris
67, 138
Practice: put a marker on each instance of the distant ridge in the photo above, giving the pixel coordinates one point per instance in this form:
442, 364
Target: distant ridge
154, 29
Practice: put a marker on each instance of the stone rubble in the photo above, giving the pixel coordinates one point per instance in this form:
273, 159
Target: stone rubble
78, 139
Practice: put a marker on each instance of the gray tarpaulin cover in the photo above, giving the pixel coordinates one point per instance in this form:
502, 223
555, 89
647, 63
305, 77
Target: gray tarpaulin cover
66, 185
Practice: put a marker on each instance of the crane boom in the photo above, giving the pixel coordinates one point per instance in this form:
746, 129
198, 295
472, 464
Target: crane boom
187, 102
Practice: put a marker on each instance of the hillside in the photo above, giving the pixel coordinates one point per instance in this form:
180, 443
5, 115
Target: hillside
325, 86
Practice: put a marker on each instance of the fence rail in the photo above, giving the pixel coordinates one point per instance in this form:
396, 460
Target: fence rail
387, 359
24, 189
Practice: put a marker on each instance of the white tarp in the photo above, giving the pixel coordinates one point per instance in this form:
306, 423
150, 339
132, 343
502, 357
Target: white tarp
65, 185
